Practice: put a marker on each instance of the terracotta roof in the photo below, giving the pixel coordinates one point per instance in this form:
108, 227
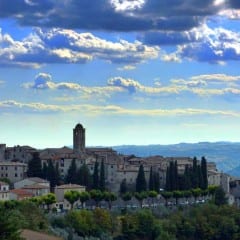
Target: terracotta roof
30, 235
22, 192
37, 180
69, 186
35, 186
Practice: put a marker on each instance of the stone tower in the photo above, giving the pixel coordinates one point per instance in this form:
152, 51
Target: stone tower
79, 139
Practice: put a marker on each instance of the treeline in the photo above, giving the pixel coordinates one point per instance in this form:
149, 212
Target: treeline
81, 176
194, 176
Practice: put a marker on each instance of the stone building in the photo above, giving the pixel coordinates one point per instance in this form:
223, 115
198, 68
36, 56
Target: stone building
79, 139
4, 191
14, 171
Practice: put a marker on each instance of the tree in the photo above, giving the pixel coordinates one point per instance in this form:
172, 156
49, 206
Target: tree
141, 184
204, 172
9, 225
140, 196
195, 178
166, 195
49, 199
84, 196
220, 197
151, 180
123, 186
71, 176
156, 179
44, 170
177, 194
35, 166
51, 175
96, 176
126, 197
109, 197
102, 177
196, 192
152, 195
97, 196
84, 177
72, 197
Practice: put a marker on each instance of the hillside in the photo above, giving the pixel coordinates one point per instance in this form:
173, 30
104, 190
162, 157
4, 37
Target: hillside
225, 154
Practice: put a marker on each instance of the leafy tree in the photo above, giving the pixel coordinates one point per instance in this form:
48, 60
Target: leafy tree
72, 197
204, 173
96, 176
83, 197
220, 197
102, 220
102, 177
177, 194
123, 186
35, 166
166, 195
196, 192
109, 197
49, 199
141, 184
71, 176
126, 197
152, 195
97, 196
140, 196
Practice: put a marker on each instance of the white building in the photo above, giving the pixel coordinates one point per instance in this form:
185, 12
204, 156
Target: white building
4, 191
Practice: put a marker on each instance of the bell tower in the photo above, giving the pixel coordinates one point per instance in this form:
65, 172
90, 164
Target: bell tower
79, 139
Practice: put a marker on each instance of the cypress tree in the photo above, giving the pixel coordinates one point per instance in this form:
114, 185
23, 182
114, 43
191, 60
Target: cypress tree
44, 170
51, 175
175, 174
151, 181
167, 185
95, 176
156, 180
171, 177
195, 177
57, 174
141, 184
187, 178
84, 176
71, 176
102, 177
204, 172
35, 166
200, 177
123, 186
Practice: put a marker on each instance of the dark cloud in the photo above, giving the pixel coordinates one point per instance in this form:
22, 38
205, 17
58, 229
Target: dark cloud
104, 15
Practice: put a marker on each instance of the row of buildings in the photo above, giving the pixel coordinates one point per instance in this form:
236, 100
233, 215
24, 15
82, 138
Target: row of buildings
13, 163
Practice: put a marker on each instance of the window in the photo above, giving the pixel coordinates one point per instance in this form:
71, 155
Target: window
6, 175
111, 166
6, 168
16, 168
2, 168
16, 175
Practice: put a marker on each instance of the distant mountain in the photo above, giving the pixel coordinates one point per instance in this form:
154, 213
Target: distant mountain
225, 154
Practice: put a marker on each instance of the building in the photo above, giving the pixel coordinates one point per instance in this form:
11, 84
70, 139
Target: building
14, 171
79, 139
4, 191
31, 181
62, 203
20, 194
37, 189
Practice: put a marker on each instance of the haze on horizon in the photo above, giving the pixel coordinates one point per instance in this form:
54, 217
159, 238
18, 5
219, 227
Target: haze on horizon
131, 71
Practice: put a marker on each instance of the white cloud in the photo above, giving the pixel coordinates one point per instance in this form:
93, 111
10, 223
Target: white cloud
68, 46
11, 105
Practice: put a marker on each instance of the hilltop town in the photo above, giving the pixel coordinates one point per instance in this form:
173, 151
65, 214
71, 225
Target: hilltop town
117, 167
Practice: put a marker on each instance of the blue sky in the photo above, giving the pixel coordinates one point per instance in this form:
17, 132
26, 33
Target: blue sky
131, 71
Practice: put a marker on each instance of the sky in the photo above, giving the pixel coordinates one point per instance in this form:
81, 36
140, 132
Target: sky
130, 71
